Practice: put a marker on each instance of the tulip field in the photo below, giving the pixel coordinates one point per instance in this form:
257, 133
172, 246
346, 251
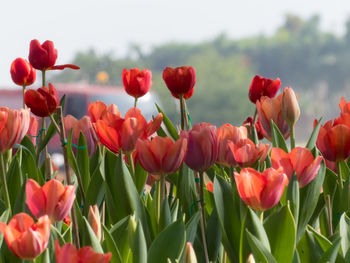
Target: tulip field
154, 191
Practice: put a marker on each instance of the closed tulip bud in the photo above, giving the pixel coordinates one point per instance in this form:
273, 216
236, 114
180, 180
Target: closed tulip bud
68, 253
180, 81
190, 255
290, 106
250, 259
131, 229
26, 239
52, 199
136, 82
95, 221
22, 72
43, 101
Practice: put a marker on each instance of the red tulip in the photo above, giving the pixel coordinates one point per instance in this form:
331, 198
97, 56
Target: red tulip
98, 110
246, 153
210, 187
180, 81
202, 146
136, 82
83, 126
95, 221
248, 123
300, 160
33, 129
333, 140
22, 72
24, 238
43, 57
115, 132
271, 109
53, 199
261, 191
344, 106
263, 87
161, 156
228, 133
42, 102
14, 125
68, 253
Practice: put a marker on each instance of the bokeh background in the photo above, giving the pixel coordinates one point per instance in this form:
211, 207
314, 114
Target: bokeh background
304, 43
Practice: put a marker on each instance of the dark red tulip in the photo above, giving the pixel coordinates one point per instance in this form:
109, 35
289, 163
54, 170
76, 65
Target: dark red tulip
136, 82
180, 81
263, 87
22, 72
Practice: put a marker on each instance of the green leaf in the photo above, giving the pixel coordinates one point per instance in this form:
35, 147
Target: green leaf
139, 247
186, 189
260, 252
277, 138
308, 248
168, 244
255, 227
83, 162
169, 126
331, 254
293, 197
344, 230
4, 218
111, 246
95, 192
14, 178
313, 138
165, 216
281, 230
214, 236
140, 177
191, 227
120, 235
29, 167
95, 244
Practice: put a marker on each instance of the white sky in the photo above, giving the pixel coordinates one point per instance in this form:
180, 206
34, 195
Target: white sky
110, 25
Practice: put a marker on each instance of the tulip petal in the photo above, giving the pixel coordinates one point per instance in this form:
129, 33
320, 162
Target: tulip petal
36, 199
280, 158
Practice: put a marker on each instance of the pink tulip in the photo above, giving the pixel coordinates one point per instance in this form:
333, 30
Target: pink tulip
202, 146
24, 238
53, 199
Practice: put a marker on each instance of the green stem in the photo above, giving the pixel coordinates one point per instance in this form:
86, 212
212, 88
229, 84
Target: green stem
162, 188
135, 102
292, 137
158, 202
255, 115
4, 183
261, 216
43, 77
132, 166
329, 211
24, 91
340, 179
182, 108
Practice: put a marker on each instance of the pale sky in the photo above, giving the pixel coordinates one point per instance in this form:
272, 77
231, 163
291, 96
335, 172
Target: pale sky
111, 25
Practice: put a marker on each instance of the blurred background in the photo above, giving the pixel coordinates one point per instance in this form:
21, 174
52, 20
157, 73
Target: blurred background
304, 43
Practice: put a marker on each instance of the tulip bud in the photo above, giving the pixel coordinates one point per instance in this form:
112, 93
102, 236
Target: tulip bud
95, 221
190, 255
251, 259
290, 106
131, 229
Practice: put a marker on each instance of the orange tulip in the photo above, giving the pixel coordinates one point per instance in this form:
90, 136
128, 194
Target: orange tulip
271, 109
99, 110
95, 221
83, 126
161, 156
246, 153
202, 146
14, 125
53, 199
261, 191
344, 106
333, 140
24, 238
68, 253
300, 160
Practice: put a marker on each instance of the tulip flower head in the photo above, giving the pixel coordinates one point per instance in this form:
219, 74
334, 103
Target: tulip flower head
202, 146
22, 72
52, 199
180, 81
95, 220
14, 125
161, 156
136, 82
42, 102
43, 56
290, 106
300, 160
261, 191
68, 253
344, 106
263, 87
24, 238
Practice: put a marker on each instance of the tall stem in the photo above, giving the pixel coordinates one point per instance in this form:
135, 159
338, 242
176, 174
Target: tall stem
135, 102
340, 179
292, 137
182, 108
162, 188
68, 175
199, 184
329, 211
24, 91
255, 115
4, 183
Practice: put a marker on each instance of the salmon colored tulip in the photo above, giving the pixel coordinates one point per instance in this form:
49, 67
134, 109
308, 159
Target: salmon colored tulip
22, 72
52, 199
333, 140
43, 56
136, 82
95, 220
290, 106
248, 123
14, 125
228, 133
24, 238
300, 160
180, 81
42, 102
210, 187
344, 106
202, 146
115, 132
246, 153
68, 253
190, 255
161, 156
261, 86
261, 191
33, 129
83, 126
271, 109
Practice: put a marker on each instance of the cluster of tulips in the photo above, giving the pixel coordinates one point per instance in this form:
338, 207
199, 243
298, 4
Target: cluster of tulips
151, 191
